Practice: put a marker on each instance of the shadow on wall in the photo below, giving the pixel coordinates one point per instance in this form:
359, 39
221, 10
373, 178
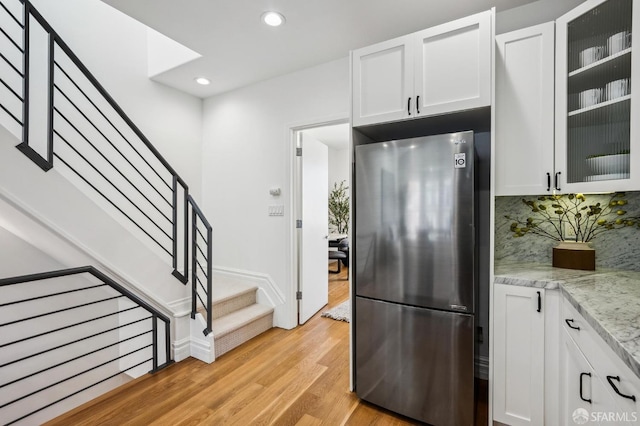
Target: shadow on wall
619, 248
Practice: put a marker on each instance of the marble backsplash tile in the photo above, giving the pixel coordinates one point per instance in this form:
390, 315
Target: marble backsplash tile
617, 248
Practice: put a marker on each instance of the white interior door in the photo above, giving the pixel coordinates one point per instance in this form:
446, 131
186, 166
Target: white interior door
314, 274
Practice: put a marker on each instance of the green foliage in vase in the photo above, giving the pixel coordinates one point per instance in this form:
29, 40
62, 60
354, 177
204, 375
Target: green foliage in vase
339, 207
570, 217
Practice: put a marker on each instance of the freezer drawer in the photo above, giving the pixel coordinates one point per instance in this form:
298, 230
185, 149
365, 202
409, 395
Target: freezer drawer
414, 361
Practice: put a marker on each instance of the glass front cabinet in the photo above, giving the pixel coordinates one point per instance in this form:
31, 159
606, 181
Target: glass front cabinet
597, 114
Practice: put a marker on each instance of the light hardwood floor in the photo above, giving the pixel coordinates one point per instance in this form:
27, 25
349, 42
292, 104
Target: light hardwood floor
295, 377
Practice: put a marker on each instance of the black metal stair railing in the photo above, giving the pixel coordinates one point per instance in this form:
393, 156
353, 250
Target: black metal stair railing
75, 124
65, 332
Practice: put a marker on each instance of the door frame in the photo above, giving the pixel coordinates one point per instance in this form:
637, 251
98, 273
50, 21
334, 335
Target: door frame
294, 200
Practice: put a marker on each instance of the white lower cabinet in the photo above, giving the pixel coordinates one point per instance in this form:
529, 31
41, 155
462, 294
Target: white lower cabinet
596, 386
518, 355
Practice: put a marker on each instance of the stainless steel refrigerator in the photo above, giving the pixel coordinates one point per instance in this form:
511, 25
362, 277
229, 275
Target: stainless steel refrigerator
414, 277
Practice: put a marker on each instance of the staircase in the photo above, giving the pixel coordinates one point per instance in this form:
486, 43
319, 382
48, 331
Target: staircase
94, 154
237, 317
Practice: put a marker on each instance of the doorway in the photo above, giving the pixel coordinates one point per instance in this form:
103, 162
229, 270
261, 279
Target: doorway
322, 161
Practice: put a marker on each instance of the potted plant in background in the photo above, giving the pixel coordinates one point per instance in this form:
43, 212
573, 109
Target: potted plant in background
573, 222
339, 208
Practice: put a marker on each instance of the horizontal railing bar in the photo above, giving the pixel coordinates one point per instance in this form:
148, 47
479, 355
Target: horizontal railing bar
68, 326
201, 268
11, 65
9, 88
102, 154
201, 252
72, 81
17, 46
110, 143
202, 286
82, 390
61, 310
72, 377
52, 295
76, 341
11, 115
204, 239
73, 359
45, 275
78, 63
116, 187
16, 20
201, 301
111, 202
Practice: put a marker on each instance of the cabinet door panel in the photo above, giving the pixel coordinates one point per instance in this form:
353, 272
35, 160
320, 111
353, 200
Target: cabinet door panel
453, 65
518, 397
382, 81
597, 148
577, 382
524, 110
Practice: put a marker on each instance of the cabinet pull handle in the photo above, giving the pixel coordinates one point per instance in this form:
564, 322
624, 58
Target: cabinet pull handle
548, 181
569, 322
582, 397
557, 180
615, 388
409, 106
418, 104
539, 302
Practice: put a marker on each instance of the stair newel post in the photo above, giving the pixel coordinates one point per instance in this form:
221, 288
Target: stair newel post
180, 228
37, 52
209, 277
154, 336
194, 272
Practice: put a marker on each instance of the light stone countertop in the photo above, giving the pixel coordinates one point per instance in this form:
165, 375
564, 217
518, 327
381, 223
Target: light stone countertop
609, 300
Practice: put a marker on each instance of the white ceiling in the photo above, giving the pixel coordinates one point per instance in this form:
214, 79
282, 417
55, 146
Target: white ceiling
237, 49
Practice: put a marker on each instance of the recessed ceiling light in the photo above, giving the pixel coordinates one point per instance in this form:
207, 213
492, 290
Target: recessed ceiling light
273, 19
203, 81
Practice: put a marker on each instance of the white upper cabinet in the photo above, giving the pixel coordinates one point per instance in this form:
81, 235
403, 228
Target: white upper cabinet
439, 70
597, 141
453, 66
382, 81
524, 103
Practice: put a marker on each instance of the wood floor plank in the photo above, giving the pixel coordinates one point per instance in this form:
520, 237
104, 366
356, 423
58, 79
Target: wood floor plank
282, 377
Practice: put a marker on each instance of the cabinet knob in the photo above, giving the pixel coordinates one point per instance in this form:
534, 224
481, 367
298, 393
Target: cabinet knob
539, 302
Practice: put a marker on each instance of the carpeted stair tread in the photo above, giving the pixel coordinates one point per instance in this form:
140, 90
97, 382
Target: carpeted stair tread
236, 320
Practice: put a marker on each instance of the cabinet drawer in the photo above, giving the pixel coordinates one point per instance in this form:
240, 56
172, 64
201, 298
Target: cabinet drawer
616, 377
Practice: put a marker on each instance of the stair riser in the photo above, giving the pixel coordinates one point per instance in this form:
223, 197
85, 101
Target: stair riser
247, 332
228, 306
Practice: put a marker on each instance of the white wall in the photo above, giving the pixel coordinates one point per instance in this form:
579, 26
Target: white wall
113, 46
246, 149
338, 166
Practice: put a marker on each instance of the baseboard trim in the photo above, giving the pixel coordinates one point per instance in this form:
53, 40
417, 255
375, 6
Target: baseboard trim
181, 349
201, 346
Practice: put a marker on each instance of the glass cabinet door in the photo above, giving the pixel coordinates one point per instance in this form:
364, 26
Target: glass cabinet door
596, 143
